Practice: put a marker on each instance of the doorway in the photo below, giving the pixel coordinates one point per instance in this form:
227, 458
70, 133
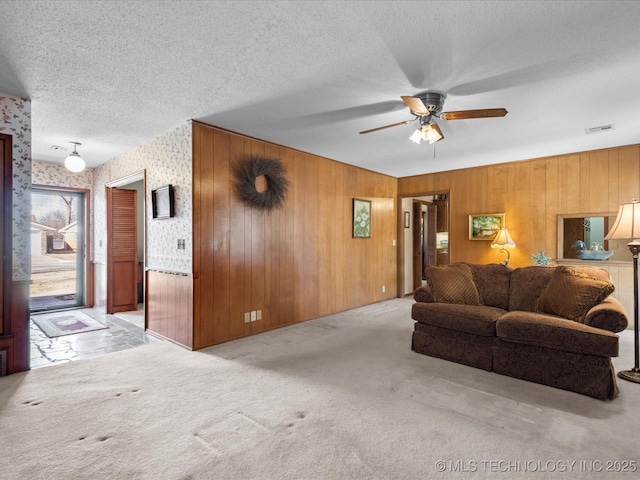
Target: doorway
126, 248
425, 237
58, 249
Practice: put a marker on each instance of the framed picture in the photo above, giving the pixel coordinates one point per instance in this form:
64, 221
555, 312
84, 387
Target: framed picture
162, 202
485, 226
361, 218
407, 220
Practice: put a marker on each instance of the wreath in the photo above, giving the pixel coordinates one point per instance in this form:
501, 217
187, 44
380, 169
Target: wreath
277, 184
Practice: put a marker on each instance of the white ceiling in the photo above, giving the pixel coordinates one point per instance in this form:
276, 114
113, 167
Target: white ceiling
312, 74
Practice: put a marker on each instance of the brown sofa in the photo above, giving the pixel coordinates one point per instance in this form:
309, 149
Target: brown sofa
550, 325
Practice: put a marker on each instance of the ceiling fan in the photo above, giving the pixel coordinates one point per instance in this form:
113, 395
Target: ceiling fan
427, 107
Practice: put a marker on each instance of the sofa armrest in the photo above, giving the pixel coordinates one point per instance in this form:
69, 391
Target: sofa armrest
608, 315
423, 294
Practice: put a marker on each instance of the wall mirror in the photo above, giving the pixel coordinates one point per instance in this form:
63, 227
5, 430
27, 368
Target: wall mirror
591, 228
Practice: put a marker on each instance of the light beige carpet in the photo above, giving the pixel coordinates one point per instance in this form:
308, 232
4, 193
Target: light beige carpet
342, 397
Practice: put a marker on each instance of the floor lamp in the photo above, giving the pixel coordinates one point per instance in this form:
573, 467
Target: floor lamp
627, 226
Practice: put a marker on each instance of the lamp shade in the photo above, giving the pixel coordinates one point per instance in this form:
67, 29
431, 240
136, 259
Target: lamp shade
74, 162
431, 133
503, 240
627, 224
416, 137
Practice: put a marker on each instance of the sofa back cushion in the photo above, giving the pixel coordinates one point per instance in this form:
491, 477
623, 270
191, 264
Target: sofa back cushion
452, 283
573, 291
492, 282
526, 286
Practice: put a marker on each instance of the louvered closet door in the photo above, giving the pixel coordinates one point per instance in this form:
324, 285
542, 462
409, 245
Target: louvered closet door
122, 255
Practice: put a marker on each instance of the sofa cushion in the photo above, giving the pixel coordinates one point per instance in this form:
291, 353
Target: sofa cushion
572, 292
556, 333
526, 286
492, 282
452, 283
609, 315
423, 294
474, 319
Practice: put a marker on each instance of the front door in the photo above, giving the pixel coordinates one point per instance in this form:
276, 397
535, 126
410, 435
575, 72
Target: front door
58, 255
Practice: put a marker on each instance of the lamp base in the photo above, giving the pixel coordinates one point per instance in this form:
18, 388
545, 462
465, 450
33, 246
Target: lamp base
632, 375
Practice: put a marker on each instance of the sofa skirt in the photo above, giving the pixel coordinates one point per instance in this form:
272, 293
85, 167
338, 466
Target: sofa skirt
460, 347
586, 374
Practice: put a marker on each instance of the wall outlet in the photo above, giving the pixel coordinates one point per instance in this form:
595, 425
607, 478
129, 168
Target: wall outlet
394, 242
384, 288
259, 316
247, 317
181, 244
253, 316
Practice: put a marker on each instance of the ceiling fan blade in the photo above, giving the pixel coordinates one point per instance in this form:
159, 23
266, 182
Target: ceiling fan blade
416, 105
406, 122
465, 114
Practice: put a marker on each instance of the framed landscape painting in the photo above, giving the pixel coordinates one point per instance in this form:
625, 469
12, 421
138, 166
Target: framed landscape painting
361, 218
484, 226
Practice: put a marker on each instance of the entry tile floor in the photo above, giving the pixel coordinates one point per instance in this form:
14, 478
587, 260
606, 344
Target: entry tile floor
123, 333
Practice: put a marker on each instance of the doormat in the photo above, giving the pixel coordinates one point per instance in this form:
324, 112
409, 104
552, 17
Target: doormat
66, 323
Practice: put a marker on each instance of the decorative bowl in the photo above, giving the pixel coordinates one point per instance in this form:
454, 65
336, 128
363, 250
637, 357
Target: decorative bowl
591, 255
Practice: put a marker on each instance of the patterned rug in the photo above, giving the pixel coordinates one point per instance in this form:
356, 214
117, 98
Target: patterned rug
66, 323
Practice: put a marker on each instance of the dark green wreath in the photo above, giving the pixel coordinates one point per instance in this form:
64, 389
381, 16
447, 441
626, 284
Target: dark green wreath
277, 184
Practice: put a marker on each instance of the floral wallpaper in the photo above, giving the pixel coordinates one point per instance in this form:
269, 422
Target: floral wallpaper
53, 175
16, 121
166, 160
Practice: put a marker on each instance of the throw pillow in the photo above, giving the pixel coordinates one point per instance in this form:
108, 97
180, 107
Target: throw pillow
492, 282
453, 283
572, 293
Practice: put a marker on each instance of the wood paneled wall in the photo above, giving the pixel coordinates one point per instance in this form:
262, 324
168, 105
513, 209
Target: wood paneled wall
295, 263
169, 306
531, 193
15, 338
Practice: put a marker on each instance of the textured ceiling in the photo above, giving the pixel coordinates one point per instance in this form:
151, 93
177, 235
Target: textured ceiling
312, 74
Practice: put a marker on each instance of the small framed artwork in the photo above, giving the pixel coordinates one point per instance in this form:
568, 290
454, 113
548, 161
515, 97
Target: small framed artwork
162, 202
407, 220
485, 226
361, 218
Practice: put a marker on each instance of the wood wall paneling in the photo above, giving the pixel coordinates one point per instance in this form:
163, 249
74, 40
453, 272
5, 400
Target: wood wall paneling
532, 193
294, 263
220, 238
628, 174
15, 338
169, 305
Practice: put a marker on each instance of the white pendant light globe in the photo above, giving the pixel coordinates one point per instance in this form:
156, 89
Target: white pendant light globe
74, 161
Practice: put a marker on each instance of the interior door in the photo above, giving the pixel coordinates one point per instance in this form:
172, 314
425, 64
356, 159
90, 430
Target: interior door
573, 230
122, 254
5, 227
430, 257
417, 244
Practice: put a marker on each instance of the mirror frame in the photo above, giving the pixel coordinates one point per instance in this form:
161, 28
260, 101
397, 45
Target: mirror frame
562, 216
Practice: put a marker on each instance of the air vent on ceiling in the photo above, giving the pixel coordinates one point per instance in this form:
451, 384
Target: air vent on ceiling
601, 128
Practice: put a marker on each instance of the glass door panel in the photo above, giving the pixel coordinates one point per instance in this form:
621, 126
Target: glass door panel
57, 249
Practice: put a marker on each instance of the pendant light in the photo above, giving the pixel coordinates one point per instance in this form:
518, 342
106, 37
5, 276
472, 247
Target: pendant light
74, 162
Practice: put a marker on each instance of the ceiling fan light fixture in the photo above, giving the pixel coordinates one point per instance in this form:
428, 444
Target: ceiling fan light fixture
431, 133
74, 162
416, 137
